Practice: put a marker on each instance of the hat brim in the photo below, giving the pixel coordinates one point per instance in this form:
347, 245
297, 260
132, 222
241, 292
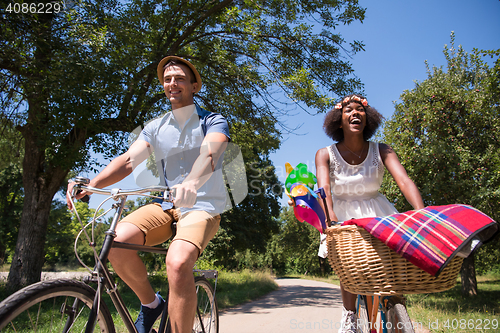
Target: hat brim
165, 60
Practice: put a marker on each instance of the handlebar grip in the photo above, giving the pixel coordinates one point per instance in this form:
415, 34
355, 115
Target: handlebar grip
85, 198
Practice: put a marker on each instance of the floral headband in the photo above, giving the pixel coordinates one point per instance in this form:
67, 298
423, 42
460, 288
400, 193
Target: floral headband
363, 101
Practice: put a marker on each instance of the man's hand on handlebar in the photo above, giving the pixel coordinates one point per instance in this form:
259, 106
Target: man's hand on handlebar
81, 195
185, 195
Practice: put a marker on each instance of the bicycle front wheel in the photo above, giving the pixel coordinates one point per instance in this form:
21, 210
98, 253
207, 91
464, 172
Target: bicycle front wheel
398, 319
53, 306
207, 313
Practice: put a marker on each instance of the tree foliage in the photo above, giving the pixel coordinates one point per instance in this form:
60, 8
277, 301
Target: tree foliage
11, 189
299, 243
292, 250
74, 82
61, 232
11, 203
446, 132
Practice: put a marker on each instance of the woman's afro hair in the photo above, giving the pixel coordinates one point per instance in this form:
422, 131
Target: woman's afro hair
333, 119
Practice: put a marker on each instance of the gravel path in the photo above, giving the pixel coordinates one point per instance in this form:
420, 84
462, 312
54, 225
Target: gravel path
297, 306
52, 275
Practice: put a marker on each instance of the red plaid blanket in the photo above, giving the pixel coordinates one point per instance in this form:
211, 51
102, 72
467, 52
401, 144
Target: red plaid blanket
430, 237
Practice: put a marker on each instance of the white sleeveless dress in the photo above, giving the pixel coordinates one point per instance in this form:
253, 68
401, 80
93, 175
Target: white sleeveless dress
355, 188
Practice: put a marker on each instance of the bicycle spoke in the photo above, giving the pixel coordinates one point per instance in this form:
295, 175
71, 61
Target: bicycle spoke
13, 327
206, 320
52, 306
31, 320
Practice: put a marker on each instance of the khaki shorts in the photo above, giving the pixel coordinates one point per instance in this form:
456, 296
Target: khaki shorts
197, 227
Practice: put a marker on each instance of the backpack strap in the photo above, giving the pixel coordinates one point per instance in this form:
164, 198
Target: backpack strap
203, 115
203, 125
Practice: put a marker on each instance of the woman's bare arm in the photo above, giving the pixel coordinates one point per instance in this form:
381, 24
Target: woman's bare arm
398, 172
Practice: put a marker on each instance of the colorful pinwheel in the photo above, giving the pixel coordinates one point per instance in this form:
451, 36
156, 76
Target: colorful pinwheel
299, 186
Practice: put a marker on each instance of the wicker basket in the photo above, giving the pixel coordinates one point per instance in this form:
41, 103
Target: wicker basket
367, 266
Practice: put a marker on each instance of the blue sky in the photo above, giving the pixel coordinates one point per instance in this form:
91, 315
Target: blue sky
399, 36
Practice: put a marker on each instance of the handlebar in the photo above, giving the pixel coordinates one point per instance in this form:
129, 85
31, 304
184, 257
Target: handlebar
82, 184
119, 195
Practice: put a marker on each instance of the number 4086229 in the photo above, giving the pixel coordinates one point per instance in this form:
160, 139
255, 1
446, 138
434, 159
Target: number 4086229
472, 324
35, 8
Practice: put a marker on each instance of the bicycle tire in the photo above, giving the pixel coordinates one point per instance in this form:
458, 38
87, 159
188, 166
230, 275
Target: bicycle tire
47, 306
398, 319
207, 314
363, 321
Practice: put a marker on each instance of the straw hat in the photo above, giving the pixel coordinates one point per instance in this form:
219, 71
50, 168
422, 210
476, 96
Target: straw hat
183, 61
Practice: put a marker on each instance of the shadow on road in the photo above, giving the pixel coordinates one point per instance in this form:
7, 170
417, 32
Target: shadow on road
292, 295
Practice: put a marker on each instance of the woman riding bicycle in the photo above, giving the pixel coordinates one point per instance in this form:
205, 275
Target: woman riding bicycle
352, 169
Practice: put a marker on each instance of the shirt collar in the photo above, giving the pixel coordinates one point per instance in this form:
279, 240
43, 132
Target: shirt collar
196, 111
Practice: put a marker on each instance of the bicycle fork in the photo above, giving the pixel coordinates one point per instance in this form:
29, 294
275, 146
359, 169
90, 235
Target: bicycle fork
384, 304
372, 304
105, 280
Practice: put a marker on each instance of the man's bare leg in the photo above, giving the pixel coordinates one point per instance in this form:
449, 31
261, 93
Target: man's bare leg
180, 261
128, 265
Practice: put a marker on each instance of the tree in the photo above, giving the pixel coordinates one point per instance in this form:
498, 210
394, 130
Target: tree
11, 189
292, 249
446, 132
261, 203
61, 232
11, 203
77, 80
298, 243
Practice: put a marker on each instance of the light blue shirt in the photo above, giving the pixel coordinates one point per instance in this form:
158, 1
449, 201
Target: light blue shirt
177, 149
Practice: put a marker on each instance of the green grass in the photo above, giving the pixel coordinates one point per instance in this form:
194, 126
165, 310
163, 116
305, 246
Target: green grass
449, 311
441, 312
233, 288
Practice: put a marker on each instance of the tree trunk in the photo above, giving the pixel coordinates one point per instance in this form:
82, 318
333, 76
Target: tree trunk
468, 277
2, 253
28, 257
41, 182
322, 265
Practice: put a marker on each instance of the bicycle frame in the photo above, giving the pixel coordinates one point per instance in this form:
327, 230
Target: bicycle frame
73, 305
373, 304
103, 277
101, 274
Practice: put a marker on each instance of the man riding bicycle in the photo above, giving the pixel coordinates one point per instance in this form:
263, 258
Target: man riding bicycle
188, 143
